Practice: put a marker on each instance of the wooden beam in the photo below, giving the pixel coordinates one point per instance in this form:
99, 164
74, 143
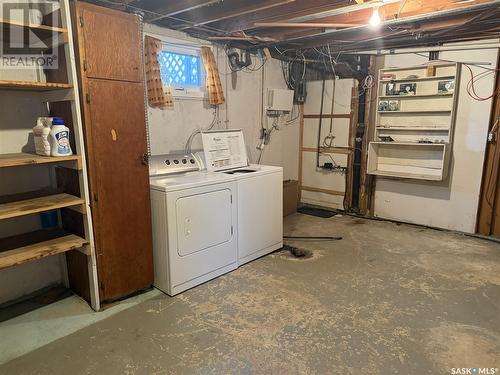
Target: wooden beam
451, 9
177, 7
219, 14
317, 25
278, 13
344, 10
319, 190
389, 12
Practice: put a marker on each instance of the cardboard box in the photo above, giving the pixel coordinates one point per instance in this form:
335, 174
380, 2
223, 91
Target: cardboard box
290, 197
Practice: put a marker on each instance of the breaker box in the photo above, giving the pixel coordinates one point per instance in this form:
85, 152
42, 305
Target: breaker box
279, 100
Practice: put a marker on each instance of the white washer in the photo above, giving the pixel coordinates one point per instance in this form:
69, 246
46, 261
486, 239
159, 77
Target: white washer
260, 210
194, 223
260, 193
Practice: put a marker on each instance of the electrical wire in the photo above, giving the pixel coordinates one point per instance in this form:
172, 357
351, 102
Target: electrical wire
471, 89
474, 78
215, 120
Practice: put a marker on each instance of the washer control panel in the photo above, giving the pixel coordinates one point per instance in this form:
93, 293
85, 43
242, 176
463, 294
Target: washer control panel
172, 163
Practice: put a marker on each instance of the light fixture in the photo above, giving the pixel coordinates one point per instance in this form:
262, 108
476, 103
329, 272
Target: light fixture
375, 18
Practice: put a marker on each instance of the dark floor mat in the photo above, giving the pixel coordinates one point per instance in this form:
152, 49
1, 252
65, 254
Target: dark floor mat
316, 212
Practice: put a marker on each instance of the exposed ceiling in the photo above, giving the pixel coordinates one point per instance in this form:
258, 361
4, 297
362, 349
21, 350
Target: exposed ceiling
290, 25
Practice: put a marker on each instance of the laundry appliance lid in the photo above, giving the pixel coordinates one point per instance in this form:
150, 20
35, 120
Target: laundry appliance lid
224, 149
188, 180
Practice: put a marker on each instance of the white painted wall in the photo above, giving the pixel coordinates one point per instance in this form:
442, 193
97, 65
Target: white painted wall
170, 128
451, 204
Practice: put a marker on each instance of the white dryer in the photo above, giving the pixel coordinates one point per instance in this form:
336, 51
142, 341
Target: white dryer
194, 223
260, 193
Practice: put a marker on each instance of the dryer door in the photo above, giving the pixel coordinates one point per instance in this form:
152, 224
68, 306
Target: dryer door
201, 242
203, 221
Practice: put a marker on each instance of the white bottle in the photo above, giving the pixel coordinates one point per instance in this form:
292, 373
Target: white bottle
59, 138
41, 135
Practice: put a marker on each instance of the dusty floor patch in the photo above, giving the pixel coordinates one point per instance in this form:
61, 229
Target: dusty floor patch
463, 346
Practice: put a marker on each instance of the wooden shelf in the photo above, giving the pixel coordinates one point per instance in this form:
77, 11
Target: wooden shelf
417, 79
407, 175
45, 203
415, 96
32, 246
435, 64
413, 128
47, 28
33, 86
22, 158
416, 112
50, 36
408, 144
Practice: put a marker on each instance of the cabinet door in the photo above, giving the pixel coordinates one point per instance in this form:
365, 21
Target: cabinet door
119, 181
111, 42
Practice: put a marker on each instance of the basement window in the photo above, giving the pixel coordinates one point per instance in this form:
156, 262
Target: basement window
182, 69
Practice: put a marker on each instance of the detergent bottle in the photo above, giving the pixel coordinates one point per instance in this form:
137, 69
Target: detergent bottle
41, 135
59, 138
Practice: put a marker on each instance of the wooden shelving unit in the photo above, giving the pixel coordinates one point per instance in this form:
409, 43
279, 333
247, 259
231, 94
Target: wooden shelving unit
24, 158
32, 26
46, 33
413, 96
31, 246
33, 86
35, 205
414, 130
414, 79
415, 112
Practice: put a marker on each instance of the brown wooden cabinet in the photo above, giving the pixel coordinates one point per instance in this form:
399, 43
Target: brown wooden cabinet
112, 90
489, 204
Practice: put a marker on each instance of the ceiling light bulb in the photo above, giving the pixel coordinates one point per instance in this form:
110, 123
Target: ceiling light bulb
375, 19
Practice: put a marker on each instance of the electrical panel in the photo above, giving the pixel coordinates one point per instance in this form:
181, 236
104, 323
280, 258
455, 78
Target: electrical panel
279, 100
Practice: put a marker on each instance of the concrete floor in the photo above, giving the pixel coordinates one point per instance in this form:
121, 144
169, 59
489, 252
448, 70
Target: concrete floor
387, 299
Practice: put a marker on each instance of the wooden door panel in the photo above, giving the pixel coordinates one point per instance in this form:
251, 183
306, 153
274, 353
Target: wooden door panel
120, 187
495, 225
112, 44
489, 204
